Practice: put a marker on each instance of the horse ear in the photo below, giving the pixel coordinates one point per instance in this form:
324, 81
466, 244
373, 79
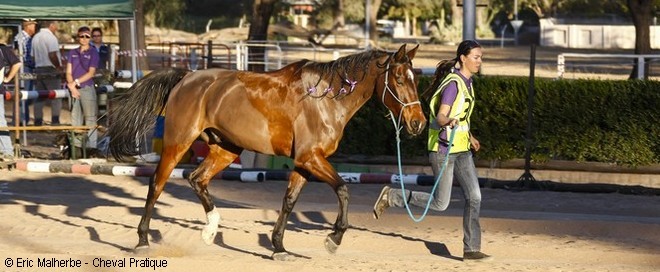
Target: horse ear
412, 52
398, 57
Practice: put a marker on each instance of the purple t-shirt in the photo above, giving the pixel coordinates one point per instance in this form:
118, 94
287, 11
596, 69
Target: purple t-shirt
451, 90
81, 61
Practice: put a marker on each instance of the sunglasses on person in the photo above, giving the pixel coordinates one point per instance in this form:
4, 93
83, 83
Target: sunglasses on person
84, 36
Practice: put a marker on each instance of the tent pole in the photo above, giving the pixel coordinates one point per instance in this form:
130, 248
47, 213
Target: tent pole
133, 50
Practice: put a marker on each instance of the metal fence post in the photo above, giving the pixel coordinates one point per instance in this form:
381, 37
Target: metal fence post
640, 68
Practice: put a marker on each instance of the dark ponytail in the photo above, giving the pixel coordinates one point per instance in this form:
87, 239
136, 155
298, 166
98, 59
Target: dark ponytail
443, 68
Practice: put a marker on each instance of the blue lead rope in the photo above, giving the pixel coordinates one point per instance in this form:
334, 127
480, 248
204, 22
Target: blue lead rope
437, 180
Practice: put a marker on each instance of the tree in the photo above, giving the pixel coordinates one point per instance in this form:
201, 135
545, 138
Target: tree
412, 10
456, 14
354, 11
373, 17
166, 13
262, 10
125, 44
338, 13
641, 11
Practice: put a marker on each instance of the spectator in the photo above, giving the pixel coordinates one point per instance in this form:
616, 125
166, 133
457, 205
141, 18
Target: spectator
103, 75
79, 73
7, 59
101, 48
48, 67
23, 42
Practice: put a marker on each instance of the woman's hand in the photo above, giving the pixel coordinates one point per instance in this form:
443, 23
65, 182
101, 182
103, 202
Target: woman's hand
474, 143
452, 123
74, 90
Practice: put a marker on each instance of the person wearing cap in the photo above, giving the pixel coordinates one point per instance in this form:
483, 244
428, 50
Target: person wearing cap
80, 69
23, 42
48, 67
451, 99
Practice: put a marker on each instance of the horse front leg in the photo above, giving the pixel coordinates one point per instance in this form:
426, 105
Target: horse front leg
296, 183
321, 169
341, 223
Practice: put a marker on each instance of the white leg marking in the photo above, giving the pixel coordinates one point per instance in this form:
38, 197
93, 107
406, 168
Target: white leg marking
211, 228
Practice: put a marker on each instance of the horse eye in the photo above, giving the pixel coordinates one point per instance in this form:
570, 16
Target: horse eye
399, 78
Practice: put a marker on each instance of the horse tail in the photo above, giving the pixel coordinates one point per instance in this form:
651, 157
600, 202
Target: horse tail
134, 113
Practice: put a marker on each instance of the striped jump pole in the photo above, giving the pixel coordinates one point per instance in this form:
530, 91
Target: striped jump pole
229, 174
41, 94
51, 94
128, 170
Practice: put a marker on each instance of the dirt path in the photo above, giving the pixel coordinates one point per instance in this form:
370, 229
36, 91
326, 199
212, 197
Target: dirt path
84, 218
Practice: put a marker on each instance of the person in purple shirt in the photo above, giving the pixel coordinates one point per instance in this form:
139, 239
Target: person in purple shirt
82, 65
451, 101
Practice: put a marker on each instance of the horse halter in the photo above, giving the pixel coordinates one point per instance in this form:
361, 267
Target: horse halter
397, 122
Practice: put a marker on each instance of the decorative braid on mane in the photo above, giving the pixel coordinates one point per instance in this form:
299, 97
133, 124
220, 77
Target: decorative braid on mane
338, 78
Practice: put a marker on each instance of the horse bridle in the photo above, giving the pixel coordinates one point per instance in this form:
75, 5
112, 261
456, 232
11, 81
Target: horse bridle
397, 122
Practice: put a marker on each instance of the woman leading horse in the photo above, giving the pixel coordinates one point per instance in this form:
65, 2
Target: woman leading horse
299, 111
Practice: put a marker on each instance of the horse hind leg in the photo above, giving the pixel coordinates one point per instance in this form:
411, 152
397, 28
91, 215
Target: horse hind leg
217, 159
296, 183
169, 158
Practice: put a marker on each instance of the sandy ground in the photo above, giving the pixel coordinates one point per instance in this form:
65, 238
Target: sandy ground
88, 218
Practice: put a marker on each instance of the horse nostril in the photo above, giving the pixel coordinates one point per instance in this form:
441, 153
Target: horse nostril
419, 126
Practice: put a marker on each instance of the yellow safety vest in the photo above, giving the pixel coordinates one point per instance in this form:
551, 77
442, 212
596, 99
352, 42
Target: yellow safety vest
461, 109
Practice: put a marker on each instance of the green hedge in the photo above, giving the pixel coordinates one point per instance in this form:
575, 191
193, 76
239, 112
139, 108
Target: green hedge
579, 120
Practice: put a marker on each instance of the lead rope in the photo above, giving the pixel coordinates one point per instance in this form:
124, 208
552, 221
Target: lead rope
397, 129
437, 180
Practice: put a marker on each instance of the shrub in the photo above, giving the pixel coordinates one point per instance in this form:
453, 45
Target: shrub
580, 120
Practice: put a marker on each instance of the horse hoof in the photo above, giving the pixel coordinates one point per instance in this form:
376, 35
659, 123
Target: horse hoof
208, 235
282, 256
141, 248
330, 245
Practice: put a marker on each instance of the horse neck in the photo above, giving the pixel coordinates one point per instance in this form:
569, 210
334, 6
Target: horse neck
344, 105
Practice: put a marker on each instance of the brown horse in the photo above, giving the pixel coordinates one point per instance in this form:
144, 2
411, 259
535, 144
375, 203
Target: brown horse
299, 111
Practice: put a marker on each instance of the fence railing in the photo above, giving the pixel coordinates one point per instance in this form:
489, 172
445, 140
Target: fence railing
237, 56
641, 59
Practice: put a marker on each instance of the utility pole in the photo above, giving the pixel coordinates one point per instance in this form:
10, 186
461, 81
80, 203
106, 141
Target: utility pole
469, 19
367, 26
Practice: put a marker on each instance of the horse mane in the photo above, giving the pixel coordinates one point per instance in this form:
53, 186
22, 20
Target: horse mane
336, 78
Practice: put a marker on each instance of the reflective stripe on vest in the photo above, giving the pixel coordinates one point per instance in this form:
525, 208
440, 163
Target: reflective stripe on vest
461, 109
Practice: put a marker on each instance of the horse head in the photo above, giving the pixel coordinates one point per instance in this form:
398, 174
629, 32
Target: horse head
398, 91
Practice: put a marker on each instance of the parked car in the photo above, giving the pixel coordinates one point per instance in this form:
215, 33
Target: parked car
385, 28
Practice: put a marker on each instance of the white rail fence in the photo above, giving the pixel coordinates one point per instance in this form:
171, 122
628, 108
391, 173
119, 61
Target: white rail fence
641, 59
